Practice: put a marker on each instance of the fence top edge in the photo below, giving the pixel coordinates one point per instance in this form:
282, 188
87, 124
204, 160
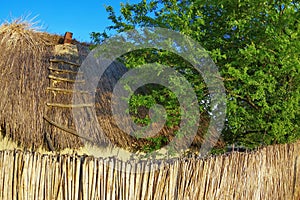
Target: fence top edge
85, 158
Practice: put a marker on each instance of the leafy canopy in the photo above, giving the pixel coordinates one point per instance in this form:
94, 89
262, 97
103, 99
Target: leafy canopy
255, 44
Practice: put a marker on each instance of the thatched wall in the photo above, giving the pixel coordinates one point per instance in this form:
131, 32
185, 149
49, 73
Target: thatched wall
118, 137
24, 78
23, 68
27, 114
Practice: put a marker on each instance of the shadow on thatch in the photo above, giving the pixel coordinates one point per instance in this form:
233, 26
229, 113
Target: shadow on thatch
103, 100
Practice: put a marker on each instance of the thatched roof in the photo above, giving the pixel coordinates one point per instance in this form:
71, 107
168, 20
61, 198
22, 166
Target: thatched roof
24, 79
35, 99
23, 66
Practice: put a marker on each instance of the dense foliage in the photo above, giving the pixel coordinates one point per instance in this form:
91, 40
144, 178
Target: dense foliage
255, 44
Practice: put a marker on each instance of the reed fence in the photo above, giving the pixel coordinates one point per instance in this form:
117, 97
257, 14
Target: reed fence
270, 173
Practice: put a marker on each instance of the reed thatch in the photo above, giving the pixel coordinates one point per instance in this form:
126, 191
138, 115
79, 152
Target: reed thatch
24, 80
268, 174
23, 68
35, 99
117, 136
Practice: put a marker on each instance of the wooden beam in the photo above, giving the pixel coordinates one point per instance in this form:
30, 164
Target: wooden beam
67, 91
65, 79
64, 61
68, 130
50, 145
64, 70
69, 105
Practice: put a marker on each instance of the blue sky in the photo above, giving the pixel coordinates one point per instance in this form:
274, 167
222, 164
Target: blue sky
58, 16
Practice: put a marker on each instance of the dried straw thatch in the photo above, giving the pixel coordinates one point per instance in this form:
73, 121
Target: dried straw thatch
118, 137
23, 68
24, 79
35, 99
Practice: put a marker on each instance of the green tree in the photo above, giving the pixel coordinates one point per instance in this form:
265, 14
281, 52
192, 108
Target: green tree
255, 44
